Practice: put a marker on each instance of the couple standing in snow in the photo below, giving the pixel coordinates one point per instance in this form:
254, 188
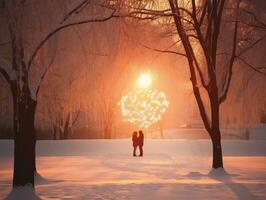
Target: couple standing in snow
138, 140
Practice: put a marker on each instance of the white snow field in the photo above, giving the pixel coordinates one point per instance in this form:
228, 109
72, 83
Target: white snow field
170, 169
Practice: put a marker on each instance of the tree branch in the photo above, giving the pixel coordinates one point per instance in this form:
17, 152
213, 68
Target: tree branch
75, 10
4, 73
76, 118
190, 58
256, 69
228, 78
261, 24
203, 13
49, 35
45, 72
164, 51
251, 46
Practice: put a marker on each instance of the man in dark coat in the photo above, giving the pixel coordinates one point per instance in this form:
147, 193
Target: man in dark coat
135, 142
141, 142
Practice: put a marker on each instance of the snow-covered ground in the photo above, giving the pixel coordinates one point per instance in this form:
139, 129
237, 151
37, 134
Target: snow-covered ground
170, 169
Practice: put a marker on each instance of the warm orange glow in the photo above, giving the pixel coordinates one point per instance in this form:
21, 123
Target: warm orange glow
145, 80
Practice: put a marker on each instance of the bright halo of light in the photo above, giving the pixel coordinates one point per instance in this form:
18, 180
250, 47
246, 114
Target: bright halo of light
144, 80
144, 107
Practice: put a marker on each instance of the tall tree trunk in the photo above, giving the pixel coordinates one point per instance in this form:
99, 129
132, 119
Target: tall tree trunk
217, 160
215, 133
24, 137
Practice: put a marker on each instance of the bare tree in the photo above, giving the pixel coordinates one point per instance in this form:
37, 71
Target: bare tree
206, 35
210, 43
65, 110
17, 68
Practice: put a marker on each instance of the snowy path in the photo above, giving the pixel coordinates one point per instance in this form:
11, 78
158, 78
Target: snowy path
113, 174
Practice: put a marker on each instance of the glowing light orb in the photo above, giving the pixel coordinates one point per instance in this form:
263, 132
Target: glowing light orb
144, 80
144, 107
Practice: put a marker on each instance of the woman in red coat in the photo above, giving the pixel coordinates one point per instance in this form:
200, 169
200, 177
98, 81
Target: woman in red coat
135, 142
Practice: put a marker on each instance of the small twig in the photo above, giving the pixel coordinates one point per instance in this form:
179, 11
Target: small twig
164, 51
75, 10
252, 67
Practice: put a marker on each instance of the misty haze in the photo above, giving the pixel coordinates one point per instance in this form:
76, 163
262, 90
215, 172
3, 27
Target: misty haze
128, 99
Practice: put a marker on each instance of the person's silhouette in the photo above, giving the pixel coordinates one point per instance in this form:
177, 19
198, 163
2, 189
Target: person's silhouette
135, 142
141, 142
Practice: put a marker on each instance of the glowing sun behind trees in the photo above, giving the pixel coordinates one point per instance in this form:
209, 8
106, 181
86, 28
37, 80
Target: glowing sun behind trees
144, 107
